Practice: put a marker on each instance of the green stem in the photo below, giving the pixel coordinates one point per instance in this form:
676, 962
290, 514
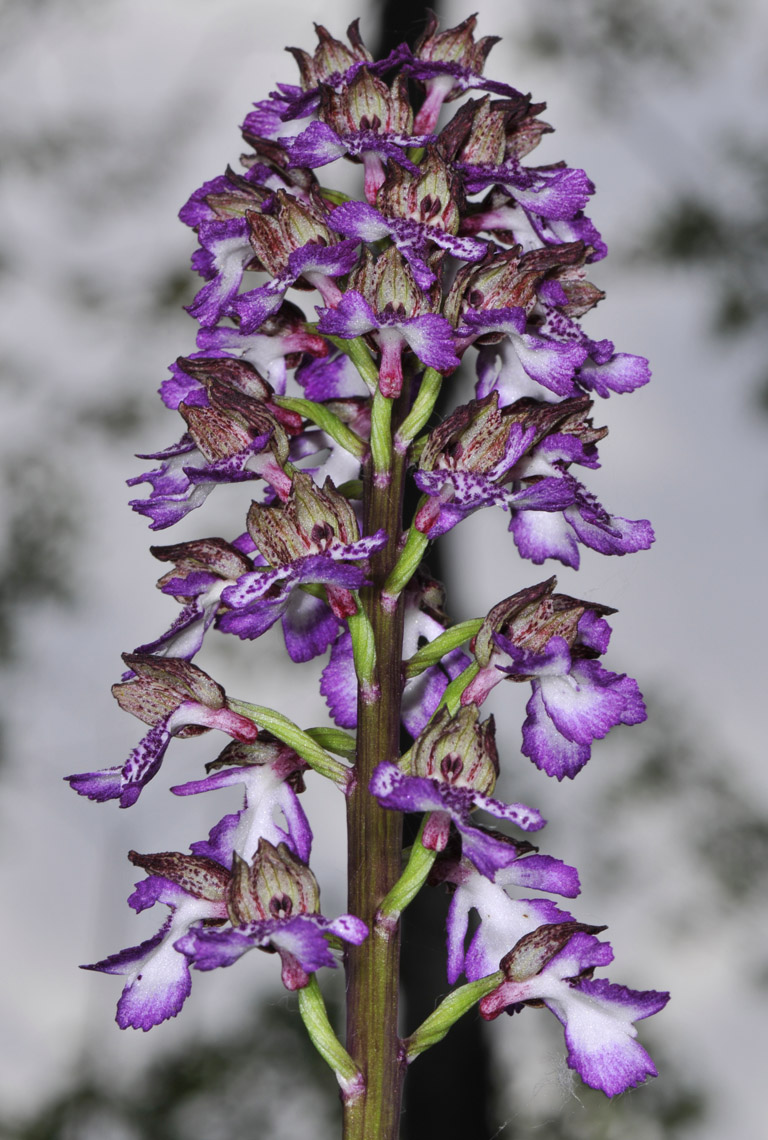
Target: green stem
375, 842
327, 421
315, 1018
459, 1002
381, 438
406, 566
430, 654
301, 742
422, 409
409, 884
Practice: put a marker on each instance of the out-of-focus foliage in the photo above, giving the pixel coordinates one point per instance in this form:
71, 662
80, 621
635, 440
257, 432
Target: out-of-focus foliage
212, 1089
604, 35
715, 839
717, 227
702, 233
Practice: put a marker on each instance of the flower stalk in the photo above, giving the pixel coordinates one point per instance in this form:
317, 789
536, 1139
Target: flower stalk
374, 845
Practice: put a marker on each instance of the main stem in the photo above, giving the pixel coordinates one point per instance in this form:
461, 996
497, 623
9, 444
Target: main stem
375, 847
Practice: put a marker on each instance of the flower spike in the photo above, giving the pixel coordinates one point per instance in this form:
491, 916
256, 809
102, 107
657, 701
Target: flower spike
445, 242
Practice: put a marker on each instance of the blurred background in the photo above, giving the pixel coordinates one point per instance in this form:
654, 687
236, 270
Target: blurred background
113, 112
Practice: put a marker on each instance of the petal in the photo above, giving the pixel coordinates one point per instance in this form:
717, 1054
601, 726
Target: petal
99, 786
549, 750
586, 704
558, 195
431, 338
609, 534
144, 762
541, 873
227, 243
503, 922
600, 1036
157, 993
539, 535
357, 219
309, 626
315, 146
339, 683
550, 362
352, 317
622, 373
334, 260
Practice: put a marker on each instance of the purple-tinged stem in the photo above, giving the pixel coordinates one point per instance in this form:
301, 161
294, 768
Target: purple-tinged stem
375, 847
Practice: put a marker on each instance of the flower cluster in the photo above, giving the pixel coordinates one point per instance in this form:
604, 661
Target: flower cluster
327, 327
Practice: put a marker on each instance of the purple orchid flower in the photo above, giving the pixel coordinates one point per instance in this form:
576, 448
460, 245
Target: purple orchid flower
184, 482
553, 194
429, 336
503, 920
540, 535
451, 804
255, 597
603, 369
300, 941
267, 119
554, 965
319, 144
281, 343
574, 699
269, 792
273, 905
225, 251
159, 982
448, 64
260, 598
198, 887
317, 264
333, 65
531, 365
363, 222
307, 541
512, 224
176, 699
455, 494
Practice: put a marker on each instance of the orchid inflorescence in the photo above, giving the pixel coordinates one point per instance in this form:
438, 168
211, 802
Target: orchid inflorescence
456, 249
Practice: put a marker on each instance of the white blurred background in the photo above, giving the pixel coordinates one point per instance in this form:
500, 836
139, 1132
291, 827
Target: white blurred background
113, 112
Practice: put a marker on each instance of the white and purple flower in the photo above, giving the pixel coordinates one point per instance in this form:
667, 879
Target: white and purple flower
176, 699
552, 641
553, 966
273, 905
194, 888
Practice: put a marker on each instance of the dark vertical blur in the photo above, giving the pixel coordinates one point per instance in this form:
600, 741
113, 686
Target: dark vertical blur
448, 1091
399, 21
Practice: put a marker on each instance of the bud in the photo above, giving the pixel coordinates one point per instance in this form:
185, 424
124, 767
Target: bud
311, 520
458, 750
332, 58
531, 617
530, 955
367, 104
275, 237
432, 197
276, 886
